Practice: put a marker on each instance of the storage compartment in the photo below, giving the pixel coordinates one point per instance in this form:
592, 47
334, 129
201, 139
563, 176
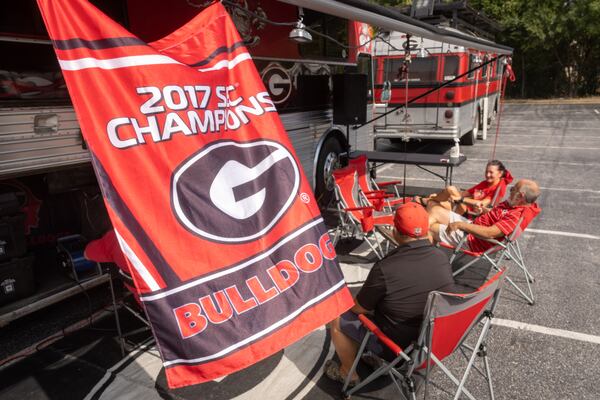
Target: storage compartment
16, 279
12, 236
9, 204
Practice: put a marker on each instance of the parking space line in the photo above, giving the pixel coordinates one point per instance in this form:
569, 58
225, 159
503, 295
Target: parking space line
573, 190
538, 147
541, 162
584, 337
555, 135
561, 233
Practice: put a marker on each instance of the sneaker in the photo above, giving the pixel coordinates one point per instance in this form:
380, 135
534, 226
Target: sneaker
371, 360
332, 371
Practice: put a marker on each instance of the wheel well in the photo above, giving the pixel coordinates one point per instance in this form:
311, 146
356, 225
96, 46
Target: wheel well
333, 134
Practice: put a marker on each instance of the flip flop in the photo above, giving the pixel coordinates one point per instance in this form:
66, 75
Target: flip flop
419, 200
332, 371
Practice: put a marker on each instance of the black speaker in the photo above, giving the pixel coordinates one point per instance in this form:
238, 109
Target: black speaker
349, 99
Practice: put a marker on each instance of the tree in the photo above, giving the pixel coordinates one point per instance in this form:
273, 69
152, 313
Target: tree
556, 43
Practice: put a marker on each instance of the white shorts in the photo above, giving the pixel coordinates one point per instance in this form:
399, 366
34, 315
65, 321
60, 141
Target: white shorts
455, 237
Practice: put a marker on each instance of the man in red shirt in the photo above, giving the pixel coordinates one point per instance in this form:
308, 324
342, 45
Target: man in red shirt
450, 228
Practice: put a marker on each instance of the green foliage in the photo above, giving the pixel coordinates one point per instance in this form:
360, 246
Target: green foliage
556, 44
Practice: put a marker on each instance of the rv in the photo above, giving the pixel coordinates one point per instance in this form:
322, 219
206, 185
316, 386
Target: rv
410, 66
38, 126
48, 190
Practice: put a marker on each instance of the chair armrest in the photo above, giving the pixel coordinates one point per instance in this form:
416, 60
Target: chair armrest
379, 334
371, 195
389, 183
358, 208
374, 192
461, 250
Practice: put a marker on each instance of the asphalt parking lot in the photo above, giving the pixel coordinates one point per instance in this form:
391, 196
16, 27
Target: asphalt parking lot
550, 350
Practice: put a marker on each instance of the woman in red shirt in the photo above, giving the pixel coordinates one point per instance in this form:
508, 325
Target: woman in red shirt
497, 177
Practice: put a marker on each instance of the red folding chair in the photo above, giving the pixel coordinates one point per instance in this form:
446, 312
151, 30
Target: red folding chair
503, 249
449, 321
373, 191
357, 220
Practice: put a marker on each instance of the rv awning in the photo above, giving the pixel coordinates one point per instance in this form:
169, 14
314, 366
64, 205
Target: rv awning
393, 20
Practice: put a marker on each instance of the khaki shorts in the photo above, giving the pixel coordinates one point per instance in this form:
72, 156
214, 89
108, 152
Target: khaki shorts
455, 237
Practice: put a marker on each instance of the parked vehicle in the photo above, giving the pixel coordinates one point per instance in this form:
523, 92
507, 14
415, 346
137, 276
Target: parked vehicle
38, 127
457, 110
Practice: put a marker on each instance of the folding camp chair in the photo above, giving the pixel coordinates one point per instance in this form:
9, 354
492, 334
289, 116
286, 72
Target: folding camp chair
449, 320
505, 249
499, 194
356, 219
369, 187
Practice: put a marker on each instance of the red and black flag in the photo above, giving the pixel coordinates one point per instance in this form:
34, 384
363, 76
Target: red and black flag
209, 203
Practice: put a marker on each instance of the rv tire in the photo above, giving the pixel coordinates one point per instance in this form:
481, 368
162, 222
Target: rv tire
468, 139
328, 161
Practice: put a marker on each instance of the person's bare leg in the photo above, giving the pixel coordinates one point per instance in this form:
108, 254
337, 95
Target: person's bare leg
432, 203
439, 215
443, 198
345, 348
434, 233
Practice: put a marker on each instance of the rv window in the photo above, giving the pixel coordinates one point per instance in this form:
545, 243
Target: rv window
319, 47
472, 64
450, 67
24, 78
29, 71
364, 64
419, 70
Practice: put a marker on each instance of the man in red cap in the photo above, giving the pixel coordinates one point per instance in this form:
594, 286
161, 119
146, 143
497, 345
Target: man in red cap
395, 290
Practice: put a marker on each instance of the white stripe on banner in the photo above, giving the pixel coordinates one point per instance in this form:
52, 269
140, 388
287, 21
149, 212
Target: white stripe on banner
228, 64
261, 333
137, 264
233, 269
136, 61
114, 63
584, 337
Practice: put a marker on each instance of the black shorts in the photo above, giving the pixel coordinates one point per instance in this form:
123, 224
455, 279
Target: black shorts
351, 326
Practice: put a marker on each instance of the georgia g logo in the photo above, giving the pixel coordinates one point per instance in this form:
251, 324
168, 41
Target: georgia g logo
234, 192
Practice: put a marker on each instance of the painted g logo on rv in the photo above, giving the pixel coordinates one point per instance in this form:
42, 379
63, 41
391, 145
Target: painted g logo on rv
234, 192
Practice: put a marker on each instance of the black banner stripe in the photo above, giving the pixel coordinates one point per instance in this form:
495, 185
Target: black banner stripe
112, 196
245, 260
258, 339
100, 44
219, 50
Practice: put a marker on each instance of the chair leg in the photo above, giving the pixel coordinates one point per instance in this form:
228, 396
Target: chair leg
361, 349
451, 377
529, 297
488, 373
117, 319
478, 345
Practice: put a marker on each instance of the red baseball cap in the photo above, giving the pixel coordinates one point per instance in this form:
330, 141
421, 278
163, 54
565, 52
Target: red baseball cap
411, 219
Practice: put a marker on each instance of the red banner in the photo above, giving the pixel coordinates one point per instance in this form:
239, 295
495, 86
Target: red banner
224, 238
359, 39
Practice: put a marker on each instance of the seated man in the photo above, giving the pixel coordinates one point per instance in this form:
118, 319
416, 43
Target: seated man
448, 227
396, 290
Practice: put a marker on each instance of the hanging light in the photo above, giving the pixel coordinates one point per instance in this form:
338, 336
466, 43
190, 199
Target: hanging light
422, 53
299, 34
